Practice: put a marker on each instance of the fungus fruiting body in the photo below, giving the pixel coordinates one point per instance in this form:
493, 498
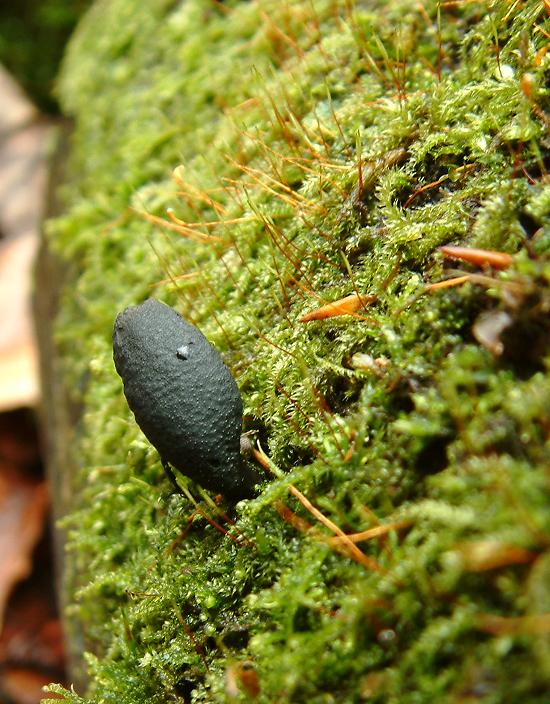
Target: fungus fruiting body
183, 397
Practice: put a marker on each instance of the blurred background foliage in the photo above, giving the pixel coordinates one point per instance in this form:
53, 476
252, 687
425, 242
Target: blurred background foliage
33, 35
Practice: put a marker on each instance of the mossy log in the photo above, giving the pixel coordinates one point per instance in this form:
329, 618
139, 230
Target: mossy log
250, 163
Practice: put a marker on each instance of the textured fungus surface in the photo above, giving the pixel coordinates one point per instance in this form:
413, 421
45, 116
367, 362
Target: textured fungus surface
183, 396
249, 163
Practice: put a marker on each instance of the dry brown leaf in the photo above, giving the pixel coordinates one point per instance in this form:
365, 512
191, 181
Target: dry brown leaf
22, 515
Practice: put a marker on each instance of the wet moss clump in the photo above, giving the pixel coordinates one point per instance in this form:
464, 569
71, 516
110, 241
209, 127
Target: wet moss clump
248, 163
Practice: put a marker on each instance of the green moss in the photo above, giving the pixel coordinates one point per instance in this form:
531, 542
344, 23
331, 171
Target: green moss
270, 107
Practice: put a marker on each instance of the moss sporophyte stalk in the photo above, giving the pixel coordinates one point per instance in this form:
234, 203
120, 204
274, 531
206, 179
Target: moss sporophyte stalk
284, 176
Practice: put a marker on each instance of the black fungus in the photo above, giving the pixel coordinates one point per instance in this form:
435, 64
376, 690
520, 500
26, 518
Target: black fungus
183, 397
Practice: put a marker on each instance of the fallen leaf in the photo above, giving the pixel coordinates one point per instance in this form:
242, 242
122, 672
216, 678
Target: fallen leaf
23, 507
23, 685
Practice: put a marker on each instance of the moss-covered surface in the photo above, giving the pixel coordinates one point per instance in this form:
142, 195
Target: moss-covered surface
335, 146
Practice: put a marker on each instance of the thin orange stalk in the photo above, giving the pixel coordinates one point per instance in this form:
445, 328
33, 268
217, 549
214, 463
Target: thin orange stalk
291, 518
196, 193
211, 223
449, 283
185, 231
294, 202
372, 532
257, 174
346, 545
424, 188
352, 549
172, 279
